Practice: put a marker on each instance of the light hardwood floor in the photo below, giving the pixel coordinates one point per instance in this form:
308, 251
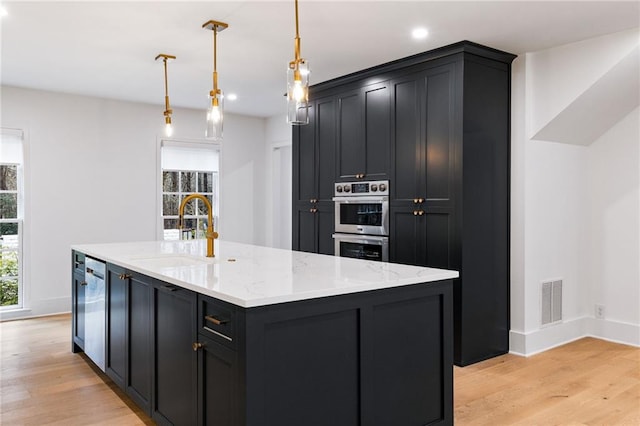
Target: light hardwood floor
587, 382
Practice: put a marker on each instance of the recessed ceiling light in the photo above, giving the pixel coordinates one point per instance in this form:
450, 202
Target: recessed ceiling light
419, 33
232, 96
3, 11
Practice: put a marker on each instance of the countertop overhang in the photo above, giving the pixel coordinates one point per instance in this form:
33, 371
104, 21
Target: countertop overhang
251, 276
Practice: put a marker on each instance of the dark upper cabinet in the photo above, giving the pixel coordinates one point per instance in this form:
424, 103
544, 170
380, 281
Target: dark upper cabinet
313, 179
363, 133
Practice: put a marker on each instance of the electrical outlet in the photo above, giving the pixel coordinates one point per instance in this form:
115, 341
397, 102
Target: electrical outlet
600, 311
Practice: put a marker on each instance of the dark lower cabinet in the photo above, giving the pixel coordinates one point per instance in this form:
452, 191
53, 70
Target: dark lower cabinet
128, 333
314, 225
139, 309
116, 325
218, 396
78, 290
78, 293
373, 358
176, 367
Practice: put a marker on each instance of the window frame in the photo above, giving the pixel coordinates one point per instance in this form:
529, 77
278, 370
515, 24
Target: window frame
192, 144
19, 219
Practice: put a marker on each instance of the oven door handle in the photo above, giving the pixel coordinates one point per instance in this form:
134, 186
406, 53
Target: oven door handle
362, 199
361, 239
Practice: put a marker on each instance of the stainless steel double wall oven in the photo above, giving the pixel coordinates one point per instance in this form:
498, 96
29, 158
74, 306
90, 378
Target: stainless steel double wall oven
362, 220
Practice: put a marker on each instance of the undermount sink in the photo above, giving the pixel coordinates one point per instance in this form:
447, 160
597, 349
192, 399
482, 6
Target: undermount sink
171, 261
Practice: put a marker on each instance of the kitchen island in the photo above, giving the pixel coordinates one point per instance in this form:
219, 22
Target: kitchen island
262, 336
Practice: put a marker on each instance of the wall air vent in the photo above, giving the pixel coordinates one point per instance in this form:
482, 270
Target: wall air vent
551, 306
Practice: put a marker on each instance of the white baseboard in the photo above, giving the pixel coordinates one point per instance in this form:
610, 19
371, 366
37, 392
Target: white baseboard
614, 331
39, 308
543, 339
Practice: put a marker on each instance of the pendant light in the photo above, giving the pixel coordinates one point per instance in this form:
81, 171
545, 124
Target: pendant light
215, 111
168, 130
298, 85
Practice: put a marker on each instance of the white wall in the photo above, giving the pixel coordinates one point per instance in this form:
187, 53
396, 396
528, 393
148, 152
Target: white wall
91, 177
614, 228
574, 208
278, 181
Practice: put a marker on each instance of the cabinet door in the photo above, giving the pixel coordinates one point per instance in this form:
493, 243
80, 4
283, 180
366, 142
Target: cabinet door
363, 133
78, 293
314, 227
350, 144
407, 144
325, 224
408, 243
139, 347
217, 370
325, 147
304, 229
116, 332
377, 131
176, 363
304, 180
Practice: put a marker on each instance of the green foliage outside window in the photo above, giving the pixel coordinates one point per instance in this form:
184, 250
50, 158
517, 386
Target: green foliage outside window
9, 280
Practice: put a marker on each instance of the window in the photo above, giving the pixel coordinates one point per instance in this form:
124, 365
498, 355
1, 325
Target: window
11, 199
188, 168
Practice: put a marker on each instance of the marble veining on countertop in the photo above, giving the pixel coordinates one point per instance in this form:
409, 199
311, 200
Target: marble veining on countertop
250, 276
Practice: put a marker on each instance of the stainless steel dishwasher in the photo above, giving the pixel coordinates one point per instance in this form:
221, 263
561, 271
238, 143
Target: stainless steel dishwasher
94, 314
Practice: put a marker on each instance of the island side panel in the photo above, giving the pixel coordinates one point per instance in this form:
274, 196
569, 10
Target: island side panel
336, 360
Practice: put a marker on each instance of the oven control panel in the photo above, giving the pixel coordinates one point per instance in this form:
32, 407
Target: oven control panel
374, 187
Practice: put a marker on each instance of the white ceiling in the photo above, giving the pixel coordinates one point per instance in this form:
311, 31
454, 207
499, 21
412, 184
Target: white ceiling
107, 49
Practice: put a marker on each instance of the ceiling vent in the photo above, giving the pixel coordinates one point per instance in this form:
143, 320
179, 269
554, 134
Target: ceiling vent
551, 306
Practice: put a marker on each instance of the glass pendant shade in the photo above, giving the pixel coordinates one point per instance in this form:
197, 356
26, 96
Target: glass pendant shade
298, 94
168, 128
215, 117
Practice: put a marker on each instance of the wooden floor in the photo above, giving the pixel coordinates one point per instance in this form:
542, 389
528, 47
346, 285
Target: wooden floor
587, 382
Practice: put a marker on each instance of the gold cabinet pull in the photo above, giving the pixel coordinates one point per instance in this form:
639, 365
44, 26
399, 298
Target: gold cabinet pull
215, 320
196, 346
124, 276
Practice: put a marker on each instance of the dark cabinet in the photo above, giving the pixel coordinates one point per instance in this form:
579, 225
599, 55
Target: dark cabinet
128, 333
220, 333
373, 357
78, 290
116, 325
78, 294
217, 370
314, 173
174, 355
437, 125
422, 141
139, 309
363, 131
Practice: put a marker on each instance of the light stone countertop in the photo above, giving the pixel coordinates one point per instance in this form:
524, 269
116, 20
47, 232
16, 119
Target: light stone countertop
250, 276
